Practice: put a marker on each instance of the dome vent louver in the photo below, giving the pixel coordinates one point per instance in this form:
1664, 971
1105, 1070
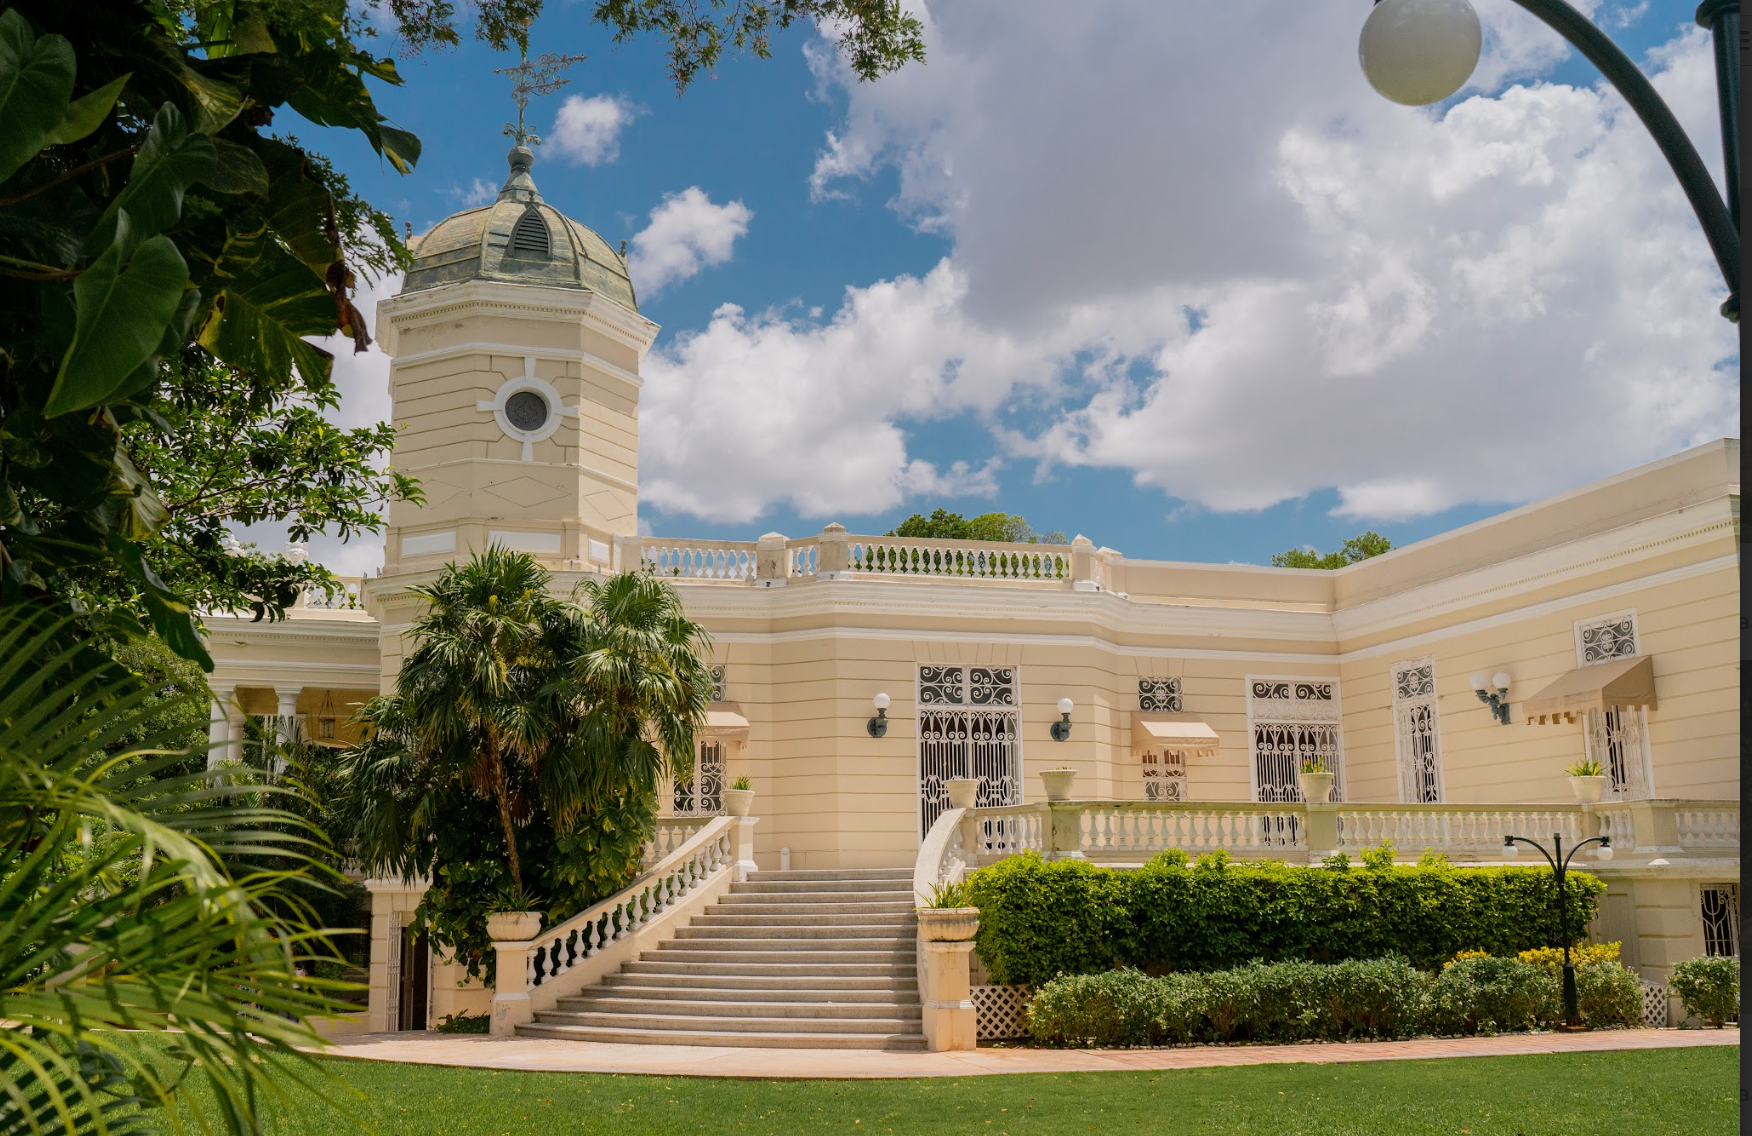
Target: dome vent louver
530, 237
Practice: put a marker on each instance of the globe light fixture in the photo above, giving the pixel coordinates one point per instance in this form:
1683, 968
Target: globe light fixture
1498, 698
878, 726
1417, 52
1061, 729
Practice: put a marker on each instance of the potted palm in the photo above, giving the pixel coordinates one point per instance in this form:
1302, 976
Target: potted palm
1315, 780
1057, 783
514, 917
1587, 781
946, 917
739, 798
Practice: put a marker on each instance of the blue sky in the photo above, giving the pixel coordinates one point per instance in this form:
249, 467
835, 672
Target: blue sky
1205, 314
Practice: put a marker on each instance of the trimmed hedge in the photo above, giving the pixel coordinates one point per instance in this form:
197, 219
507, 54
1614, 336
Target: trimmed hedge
1710, 988
1039, 919
1302, 1001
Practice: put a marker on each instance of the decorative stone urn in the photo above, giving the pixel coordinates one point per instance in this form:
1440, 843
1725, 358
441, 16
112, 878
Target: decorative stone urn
948, 924
1589, 790
1316, 787
738, 802
963, 792
513, 926
1057, 783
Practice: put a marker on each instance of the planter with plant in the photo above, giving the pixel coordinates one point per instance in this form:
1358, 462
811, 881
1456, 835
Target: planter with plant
1315, 780
514, 917
1587, 781
945, 915
1057, 783
739, 798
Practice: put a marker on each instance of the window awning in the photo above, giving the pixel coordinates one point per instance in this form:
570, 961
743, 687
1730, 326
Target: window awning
1172, 731
1627, 682
724, 719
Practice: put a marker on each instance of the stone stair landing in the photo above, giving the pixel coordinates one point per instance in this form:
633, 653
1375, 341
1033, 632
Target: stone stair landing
822, 959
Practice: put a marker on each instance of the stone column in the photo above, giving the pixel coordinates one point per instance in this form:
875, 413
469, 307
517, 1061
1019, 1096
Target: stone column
836, 552
1656, 828
511, 1005
1086, 575
628, 551
946, 985
219, 724
1321, 831
285, 719
772, 562
745, 848
234, 720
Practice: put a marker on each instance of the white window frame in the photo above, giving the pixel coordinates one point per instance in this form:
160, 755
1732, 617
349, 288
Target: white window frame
1294, 712
1015, 791
1626, 727
1405, 728
1729, 894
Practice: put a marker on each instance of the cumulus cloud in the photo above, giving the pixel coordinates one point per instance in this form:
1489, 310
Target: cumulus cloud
1222, 263
687, 234
587, 131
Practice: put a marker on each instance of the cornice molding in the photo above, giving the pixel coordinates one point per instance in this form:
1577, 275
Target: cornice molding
486, 347
519, 301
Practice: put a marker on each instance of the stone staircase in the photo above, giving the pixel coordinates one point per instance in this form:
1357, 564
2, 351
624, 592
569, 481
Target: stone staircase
806, 959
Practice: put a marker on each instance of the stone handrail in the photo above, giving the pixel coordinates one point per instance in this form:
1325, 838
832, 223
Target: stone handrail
346, 599
1133, 831
942, 855
961, 559
698, 559
534, 975
671, 833
947, 1014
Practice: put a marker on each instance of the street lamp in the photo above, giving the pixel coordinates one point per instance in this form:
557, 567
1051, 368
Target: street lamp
1572, 1016
1419, 52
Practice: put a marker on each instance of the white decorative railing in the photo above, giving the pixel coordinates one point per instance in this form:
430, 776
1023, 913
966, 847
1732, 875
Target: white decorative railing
802, 557
1616, 825
671, 833
1010, 829
983, 560
347, 599
942, 855
698, 559
1144, 829
1707, 824
665, 885
1453, 828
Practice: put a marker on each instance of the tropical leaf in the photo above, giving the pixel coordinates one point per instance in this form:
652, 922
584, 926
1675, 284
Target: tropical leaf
257, 323
171, 159
125, 300
87, 113
237, 170
299, 208
36, 80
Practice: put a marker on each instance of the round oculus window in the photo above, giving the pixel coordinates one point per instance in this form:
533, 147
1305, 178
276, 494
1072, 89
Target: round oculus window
527, 411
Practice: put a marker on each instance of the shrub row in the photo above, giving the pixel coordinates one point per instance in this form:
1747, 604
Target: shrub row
1039, 919
1301, 1001
1710, 988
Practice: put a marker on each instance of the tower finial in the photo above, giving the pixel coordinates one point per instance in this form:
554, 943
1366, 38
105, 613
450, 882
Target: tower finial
538, 76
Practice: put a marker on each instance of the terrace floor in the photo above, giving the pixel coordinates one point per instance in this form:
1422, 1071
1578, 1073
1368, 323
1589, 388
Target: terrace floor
538, 1054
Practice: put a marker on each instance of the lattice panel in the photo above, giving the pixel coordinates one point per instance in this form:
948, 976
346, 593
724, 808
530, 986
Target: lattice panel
1654, 998
1001, 1012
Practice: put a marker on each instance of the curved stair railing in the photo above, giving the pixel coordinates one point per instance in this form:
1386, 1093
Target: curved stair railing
533, 975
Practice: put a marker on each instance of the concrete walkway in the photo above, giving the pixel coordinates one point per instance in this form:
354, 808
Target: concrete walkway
715, 1061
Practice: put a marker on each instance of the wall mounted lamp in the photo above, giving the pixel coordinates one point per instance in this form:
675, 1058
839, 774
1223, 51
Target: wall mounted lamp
878, 726
1498, 699
1061, 729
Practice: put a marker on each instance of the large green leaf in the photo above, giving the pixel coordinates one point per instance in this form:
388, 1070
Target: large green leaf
238, 170
36, 80
171, 159
257, 323
170, 615
124, 302
300, 209
87, 113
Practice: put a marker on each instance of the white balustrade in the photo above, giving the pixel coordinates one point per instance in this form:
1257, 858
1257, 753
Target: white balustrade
1453, 828
698, 559
803, 557
667, 884
346, 599
1707, 824
1011, 829
1617, 826
671, 833
981, 560
1140, 830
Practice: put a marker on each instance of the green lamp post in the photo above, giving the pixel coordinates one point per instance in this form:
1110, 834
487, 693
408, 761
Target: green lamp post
1418, 52
1572, 1015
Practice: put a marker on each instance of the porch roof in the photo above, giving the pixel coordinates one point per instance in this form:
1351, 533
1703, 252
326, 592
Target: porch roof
1626, 682
1174, 731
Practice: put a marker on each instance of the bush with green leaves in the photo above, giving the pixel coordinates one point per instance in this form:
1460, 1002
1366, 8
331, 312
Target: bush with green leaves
1041, 919
1488, 994
1608, 994
1709, 987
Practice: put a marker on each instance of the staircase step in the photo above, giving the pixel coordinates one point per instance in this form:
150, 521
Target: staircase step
764, 885
798, 932
874, 1023
766, 1040
779, 977
787, 966
740, 905
781, 990
629, 1007
904, 874
806, 958
904, 921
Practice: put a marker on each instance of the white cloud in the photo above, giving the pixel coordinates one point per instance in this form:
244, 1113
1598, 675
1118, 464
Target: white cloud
1415, 308
587, 131
479, 192
686, 235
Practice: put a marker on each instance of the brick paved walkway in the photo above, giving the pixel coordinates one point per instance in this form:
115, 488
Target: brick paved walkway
718, 1061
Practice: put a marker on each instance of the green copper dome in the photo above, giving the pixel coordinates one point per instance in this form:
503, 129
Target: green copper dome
519, 239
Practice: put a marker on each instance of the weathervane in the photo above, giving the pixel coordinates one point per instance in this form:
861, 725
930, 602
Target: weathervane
538, 76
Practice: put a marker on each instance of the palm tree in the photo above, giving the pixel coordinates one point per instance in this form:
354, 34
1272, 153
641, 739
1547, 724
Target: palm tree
122, 908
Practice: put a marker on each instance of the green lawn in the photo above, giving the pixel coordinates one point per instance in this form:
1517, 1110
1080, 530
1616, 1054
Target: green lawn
1693, 1092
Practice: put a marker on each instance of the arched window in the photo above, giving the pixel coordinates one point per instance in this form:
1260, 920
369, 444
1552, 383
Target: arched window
529, 237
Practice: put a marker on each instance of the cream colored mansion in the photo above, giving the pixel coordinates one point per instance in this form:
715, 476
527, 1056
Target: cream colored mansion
1604, 623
